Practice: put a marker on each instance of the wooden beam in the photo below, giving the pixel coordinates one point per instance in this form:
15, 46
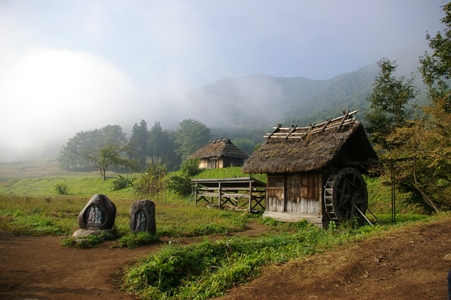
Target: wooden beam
342, 120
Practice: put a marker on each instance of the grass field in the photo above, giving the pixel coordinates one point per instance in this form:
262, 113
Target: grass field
31, 205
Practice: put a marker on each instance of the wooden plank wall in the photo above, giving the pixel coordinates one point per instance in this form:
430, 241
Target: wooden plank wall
275, 193
294, 192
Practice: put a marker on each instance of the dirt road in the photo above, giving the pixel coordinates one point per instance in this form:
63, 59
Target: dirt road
409, 264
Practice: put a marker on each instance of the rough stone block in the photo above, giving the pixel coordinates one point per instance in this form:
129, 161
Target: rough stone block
142, 217
99, 213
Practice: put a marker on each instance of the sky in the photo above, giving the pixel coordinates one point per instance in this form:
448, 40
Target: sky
73, 65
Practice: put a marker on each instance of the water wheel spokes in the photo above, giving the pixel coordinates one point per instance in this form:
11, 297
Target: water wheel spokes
345, 190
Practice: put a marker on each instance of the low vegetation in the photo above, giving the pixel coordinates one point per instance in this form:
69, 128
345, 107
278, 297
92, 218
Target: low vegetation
200, 270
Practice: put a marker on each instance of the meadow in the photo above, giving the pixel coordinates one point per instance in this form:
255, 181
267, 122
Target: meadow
30, 204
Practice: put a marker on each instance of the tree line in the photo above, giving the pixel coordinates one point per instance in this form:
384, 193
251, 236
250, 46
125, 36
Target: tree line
108, 147
415, 140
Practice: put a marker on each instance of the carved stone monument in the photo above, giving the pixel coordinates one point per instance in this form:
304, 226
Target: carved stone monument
98, 214
142, 217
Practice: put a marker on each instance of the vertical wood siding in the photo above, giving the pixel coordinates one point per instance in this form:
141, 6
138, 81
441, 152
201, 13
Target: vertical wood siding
275, 193
294, 192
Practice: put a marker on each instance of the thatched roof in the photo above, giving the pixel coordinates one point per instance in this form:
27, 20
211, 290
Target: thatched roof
303, 149
218, 148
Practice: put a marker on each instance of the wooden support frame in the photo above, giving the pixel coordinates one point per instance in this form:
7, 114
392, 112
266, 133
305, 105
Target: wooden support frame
296, 132
231, 192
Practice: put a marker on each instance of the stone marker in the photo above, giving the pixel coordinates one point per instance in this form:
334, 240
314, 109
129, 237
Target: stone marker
98, 214
142, 217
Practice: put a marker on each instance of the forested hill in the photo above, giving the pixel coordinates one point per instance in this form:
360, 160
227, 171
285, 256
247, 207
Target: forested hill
259, 99
258, 102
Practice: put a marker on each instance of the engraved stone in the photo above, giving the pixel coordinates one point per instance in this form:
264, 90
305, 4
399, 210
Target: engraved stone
99, 213
142, 217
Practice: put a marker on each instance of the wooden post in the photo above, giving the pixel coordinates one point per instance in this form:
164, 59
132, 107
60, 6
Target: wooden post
195, 193
393, 191
220, 194
250, 197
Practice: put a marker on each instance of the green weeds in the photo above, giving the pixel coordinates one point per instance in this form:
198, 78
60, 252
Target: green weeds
87, 242
135, 240
208, 269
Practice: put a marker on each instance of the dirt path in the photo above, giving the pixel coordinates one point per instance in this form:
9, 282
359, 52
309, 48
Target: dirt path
409, 264
404, 265
40, 268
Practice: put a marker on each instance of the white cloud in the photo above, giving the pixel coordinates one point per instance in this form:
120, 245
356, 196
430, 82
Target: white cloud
48, 94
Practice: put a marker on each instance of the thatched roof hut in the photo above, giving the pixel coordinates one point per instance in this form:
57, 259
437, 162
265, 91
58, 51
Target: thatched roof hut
303, 164
219, 153
303, 149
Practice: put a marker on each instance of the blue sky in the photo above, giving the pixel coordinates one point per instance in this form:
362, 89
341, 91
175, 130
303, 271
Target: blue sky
67, 66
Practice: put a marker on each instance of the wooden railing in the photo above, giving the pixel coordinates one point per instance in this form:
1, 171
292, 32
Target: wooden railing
238, 193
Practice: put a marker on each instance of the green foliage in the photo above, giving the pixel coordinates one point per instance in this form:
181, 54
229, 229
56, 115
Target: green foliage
208, 269
137, 147
230, 172
189, 221
87, 242
436, 67
190, 167
100, 148
190, 136
425, 140
36, 218
180, 182
245, 144
61, 188
161, 148
120, 183
135, 240
388, 104
151, 183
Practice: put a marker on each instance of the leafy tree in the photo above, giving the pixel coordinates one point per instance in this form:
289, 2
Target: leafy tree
100, 148
138, 145
191, 136
426, 139
436, 67
388, 104
172, 159
162, 147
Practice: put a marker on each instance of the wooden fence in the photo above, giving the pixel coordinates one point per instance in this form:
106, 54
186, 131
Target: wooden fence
240, 193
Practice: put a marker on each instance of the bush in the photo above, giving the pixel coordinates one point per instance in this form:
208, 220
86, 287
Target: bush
190, 167
179, 184
121, 183
61, 188
151, 182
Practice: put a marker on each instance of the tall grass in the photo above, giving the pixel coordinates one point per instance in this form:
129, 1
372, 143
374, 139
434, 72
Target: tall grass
210, 268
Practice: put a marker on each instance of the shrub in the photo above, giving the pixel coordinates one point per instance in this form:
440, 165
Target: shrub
121, 183
190, 167
151, 182
179, 184
61, 188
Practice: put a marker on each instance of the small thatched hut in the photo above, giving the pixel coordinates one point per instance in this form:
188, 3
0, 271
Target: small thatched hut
314, 172
219, 153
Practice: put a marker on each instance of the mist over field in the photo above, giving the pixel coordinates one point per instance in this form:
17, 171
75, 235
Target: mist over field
72, 66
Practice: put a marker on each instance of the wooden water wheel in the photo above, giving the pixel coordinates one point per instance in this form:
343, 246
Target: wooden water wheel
345, 195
